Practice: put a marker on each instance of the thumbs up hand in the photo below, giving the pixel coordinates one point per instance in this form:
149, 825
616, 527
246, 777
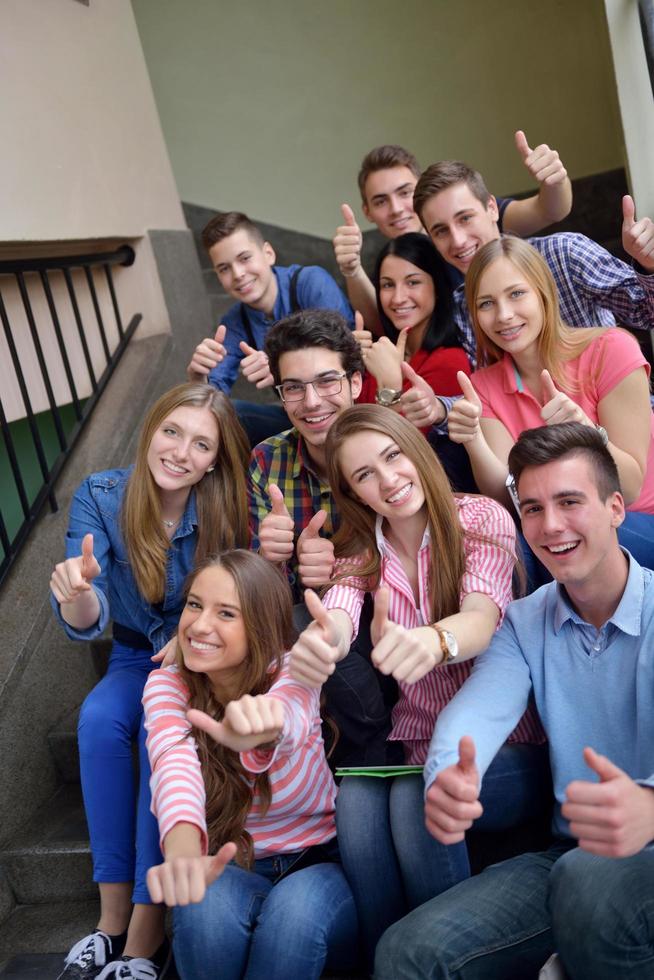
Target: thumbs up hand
452, 801
207, 355
255, 366
559, 407
637, 236
315, 554
347, 244
463, 420
248, 722
543, 164
384, 360
72, 577
419, 404
319, 646
276, 530
362, 336
184, 880
406, 654
613, 817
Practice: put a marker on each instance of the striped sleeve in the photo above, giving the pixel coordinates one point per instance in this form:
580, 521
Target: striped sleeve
490, 550
349, 593
176, 783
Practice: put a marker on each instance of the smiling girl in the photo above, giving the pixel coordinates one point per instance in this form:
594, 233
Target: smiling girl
245, 764
440, 569
541, 372
133, 537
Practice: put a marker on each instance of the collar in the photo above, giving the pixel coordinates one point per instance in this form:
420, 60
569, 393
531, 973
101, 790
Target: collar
385, 548
302, 460
189, 519
628, 614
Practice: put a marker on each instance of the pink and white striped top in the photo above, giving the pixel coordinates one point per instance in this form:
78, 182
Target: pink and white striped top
301, 812
489, 548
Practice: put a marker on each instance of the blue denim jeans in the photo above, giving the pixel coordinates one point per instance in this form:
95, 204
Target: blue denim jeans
249, 928
598, 913
393, 863
124, 833
260, 421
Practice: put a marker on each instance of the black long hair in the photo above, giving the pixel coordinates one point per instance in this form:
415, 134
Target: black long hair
418, 249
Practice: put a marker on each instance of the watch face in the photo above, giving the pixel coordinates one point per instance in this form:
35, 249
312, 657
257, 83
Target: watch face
451, 644
387, 396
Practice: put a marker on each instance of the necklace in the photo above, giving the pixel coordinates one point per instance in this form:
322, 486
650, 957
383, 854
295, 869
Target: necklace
169, 523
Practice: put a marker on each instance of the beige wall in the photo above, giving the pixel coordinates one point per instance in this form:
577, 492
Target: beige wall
270, 107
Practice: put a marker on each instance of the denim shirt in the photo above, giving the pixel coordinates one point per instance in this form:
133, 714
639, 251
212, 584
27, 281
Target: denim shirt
95, 509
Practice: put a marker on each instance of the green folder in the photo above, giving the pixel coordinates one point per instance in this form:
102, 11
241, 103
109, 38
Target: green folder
379, 771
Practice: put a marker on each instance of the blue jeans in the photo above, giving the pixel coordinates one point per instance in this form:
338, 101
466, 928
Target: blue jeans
260, 421
124, 833
598, 913
636, 534
248, 928
393, 863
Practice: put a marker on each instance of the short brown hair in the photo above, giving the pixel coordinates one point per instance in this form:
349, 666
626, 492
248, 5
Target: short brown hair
445, 174
383, 158
224, 224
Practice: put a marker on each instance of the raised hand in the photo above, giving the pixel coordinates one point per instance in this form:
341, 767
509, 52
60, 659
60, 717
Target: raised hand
408, 655
207, 355
184, 880
315, 555
362, 336
637, 236
452, 800
613, 817
276, 529
167, 654
543, 164
347, 243
318, 647
384, 360
419, 404
248, 722
255, 366
73, 576
463, 420
557, 406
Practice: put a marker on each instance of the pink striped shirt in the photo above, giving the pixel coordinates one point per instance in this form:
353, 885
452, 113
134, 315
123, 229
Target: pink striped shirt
489, 547
301, 812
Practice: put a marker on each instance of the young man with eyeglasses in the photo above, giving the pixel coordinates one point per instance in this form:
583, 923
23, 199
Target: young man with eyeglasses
317, 367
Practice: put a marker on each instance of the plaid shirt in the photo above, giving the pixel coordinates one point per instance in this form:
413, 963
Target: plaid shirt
595, 290
283, 460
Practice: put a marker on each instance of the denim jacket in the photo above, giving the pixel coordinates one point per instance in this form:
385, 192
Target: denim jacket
95, 508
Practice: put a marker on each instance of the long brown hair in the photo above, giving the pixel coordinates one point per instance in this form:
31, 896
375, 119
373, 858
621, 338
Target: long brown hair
267, 611
356, 534
220, 496
557, 342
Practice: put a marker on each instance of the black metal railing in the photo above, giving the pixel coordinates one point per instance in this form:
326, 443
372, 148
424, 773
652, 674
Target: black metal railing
31, 277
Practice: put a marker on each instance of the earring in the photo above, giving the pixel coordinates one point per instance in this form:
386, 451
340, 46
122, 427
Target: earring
210, 469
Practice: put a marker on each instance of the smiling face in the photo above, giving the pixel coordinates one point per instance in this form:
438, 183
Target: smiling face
459, 224
389, 201
314, 415
211, 633
244, 268
382, 476
508, 309
406, 293
566, 524
183, 448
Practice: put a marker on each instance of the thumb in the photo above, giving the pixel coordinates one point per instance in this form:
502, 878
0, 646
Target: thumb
467, 753
400, 345
221, 333
549, 388
219, 861
604, 768
410, 375
278, 506
521, 144
200, 719
316, 608
348, 215
380, 617
468, 388
87, 554
314, 525
628, 212
246, 348
358, 321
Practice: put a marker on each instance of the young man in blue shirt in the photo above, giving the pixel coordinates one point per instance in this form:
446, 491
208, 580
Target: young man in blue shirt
583, 646
265, 293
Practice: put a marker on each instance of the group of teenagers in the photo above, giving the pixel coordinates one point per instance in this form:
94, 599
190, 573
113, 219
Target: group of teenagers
334, 580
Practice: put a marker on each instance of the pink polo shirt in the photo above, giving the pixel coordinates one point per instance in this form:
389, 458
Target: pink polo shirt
608, 359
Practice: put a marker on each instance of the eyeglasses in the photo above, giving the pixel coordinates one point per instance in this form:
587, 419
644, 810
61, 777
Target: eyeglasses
295, 391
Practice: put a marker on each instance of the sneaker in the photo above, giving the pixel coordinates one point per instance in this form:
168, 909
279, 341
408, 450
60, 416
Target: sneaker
138, 967
87, 959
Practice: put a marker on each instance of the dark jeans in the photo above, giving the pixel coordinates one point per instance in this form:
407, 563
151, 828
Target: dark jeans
261, 421
455, 461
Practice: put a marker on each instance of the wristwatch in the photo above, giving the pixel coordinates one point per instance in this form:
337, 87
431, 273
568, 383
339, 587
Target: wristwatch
388, 397
449, 644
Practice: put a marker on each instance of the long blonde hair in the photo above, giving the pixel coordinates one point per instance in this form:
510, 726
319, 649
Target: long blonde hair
356, 534
557, 342
221, 496
267, 610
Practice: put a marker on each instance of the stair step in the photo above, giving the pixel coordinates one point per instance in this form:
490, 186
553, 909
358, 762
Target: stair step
43, 929
62, 741
50, 861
